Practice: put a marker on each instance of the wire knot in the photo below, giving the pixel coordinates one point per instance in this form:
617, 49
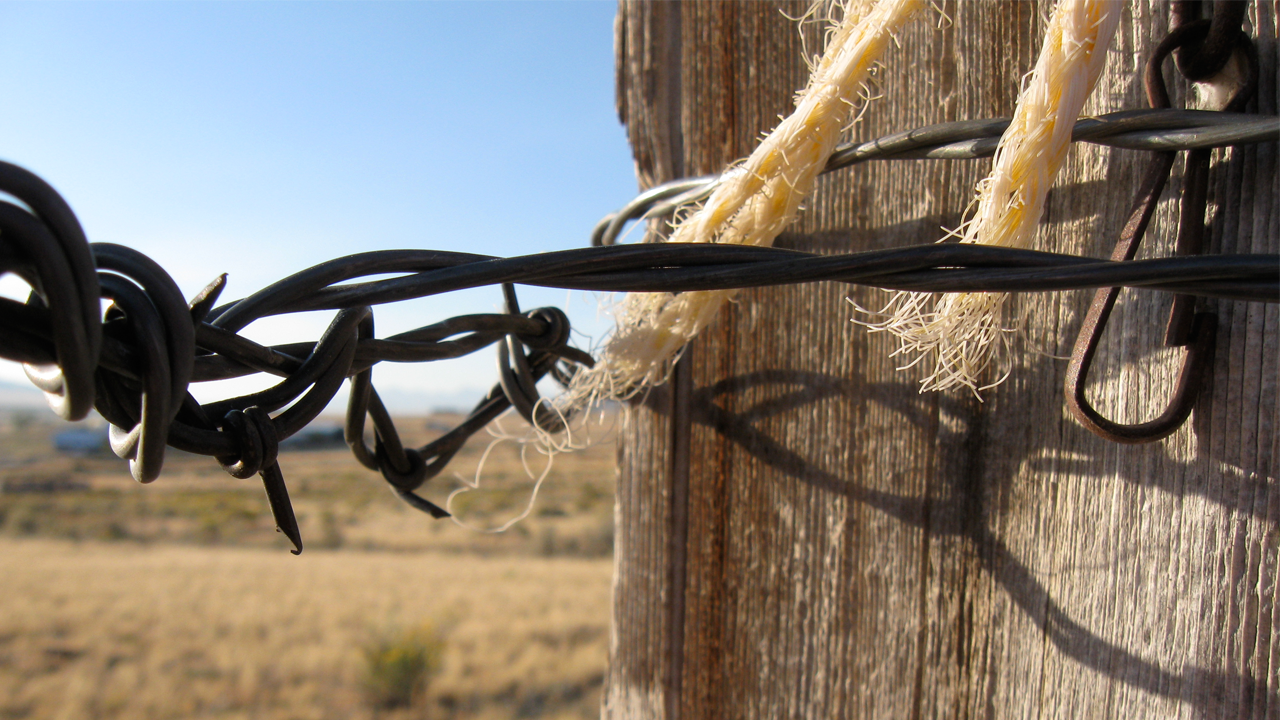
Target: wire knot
411, 478
257, 444
556, 334
1214, 39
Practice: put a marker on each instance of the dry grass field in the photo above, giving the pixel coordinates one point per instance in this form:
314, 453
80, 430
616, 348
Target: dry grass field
178, 600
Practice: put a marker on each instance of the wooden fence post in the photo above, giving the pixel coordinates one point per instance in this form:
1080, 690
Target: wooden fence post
803, 535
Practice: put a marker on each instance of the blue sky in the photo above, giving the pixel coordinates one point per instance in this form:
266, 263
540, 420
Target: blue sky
259, 138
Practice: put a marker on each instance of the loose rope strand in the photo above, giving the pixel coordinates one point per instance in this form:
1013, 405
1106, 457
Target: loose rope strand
961, 332
760, 198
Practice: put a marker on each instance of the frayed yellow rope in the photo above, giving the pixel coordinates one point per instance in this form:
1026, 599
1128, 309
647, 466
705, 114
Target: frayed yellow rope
757, 201
958, 331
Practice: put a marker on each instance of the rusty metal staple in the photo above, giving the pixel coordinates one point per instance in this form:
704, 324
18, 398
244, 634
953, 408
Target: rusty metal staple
135, 364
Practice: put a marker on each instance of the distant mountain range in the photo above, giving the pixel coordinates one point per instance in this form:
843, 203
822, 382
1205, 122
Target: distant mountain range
19, 396
400, 401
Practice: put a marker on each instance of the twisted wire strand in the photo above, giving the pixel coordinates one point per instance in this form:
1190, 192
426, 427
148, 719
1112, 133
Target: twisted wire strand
1161, 129
135, 364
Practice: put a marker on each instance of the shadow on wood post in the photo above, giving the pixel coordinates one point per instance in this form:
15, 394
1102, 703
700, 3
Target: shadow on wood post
803, 535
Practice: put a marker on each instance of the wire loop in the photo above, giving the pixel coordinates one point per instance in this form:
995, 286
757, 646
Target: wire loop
145, 405
1187, 328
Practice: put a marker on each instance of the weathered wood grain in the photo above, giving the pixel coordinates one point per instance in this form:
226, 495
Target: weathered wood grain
802, 534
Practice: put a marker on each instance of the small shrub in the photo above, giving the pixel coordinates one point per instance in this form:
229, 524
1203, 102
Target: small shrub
330, 531
114, 530
22, 519
399, 664
597, 541
548, 542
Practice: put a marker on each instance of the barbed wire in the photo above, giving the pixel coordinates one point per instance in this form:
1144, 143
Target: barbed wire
135, 363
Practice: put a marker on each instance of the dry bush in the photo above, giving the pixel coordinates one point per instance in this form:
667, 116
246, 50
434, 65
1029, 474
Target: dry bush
399, 663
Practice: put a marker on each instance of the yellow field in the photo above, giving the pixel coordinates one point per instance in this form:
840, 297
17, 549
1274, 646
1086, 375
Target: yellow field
178, 600
94, 630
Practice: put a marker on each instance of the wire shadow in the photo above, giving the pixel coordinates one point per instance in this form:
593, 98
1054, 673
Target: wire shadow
959, 513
